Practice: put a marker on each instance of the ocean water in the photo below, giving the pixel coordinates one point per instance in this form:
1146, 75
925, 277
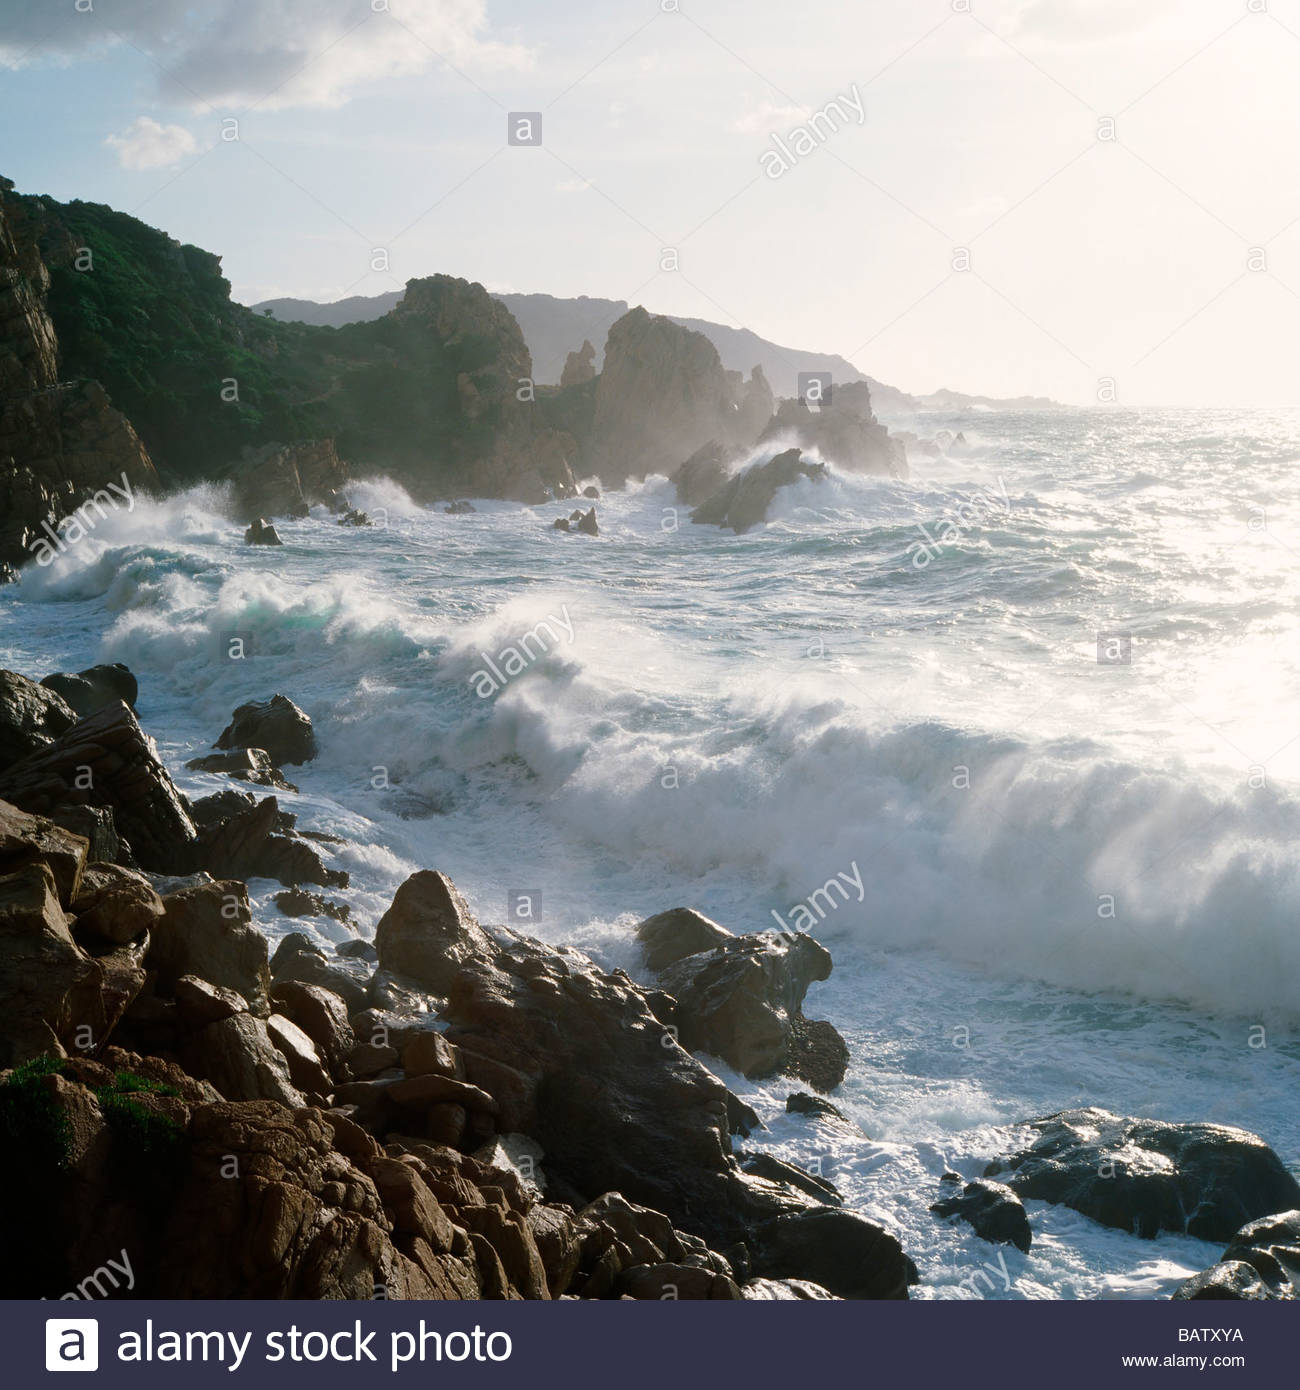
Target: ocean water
1038, 701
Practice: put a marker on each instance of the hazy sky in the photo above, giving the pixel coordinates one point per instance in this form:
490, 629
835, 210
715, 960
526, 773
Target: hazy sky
1165, 257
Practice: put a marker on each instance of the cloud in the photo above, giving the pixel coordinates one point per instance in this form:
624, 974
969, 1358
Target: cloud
147, 145
1084, 21
768, 116
276, 53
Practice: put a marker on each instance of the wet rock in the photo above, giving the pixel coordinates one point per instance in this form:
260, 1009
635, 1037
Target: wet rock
31, 717
765, 1165
106, 760
592, 494
561, 523
115, 904
261, 532
840, 1250
742, 502
208, 931
298, 902
1261, 1262
246, 845
209, 811
586, 523
993, 1210
322, 1015
357, 949
801, 1103
705, 473
92, 689
276, 725
344, 977
742, 1001
784, 1290
248, 764
1147, 1176
669, 936
354, 518
299, 1052
742, 1119
96, 825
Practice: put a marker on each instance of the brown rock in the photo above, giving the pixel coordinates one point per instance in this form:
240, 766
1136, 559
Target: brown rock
238, 1056
681, 931
27, 839
429, 1053
305, 1069
31, 717
322, 1015
208, 931
417, 1092
115, 904
200, 1002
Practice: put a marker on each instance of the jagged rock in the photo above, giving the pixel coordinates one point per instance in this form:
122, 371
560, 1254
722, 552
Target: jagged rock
95, 825
239, 1057
742, 502
840, 1250
357, 949
107, 760
460, 508
286, 479
199, 1002
276, 725
742, 1001
843, 429
681, 931
261, 532
31, 717
801, 1103
586, 523
322, 1015
992, 1209
1147, 1176
208, 931
354, 518
662, 394
305, 1068
765, 1165
579, 366
784, 1290
209, 811
248, 764
26, 839
704, 473
115, 904
246, 846
742, 1119
298, 902
90, 690
1261, 1262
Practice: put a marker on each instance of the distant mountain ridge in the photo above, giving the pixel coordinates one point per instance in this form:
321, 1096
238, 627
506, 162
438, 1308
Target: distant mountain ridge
555, 327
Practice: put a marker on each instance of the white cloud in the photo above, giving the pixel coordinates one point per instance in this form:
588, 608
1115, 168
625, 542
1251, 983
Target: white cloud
1085, 21
287, 53
768, 116
145, 144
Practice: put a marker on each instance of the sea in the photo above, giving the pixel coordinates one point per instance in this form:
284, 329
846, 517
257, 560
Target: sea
1033, 709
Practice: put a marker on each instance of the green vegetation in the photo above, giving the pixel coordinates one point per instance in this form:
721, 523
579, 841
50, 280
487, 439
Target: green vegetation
31, 1124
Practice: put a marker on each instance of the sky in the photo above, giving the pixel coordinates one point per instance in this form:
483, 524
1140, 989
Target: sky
1094, 200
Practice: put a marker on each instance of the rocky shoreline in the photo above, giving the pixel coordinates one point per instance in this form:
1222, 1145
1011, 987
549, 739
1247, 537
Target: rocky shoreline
453, 1110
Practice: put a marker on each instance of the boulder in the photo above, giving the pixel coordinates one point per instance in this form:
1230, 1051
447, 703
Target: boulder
681, 931
298, 902
27, 839
31, 717
92, 689
305, 1068
344, 977
742, 1001
742, 502
247, 764
1147, 1176
106, 760
784, 1291
115, 904
199, 1002
586, 523
801, 1103
1262, 1261
239, 1057
247, 845
993, 1210
261, 532
777, 1170
840, 1250
460, 508
208, 931
276, 725
322, 1015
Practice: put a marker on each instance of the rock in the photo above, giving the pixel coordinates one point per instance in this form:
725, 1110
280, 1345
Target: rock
559, 1245
993, 1210
460, 508
354, 518
1147, 1176
419, 1092
591, 493
27, 839
669, 936
95, 825
742, 502
561, 523
238, 1056
209, 811
298, 902
344, 977
115, 904
742, 1001
843, 430
705, 472
358, 948
305, 1069
840, 1250
261, 532
322, 1015
587, 523
429, 934
286, 479
246, 846
367, 1060
765, 1165
671, 1281
276, 725
199, 1002
1262, 1261
92, 689
801, 1103
742, 1119
31, 717
428, 1053
662, 393
579, 366
248, 764
784, 1290
106, 760
208, 931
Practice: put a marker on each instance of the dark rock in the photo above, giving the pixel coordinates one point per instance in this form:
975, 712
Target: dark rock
742, 502
322, 1015
106, 760
210, 811
95, 824
248, 764
90, 690
344, 977
591, 493
993, 1210
742, 1001
357, 949
705, 473
31, 717
681, 931
742, 1119
1147, 1176
354, 518
199, 1002
286, 479
298, 902
246, 846
801, 1103
459, 508
27, 839
239, 1057
765, 1165
261, 532
1261, 1262
587, 523
208, 931
840, 1250
561, 523
276, 725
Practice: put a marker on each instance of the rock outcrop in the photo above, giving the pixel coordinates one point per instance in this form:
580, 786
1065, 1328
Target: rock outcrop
994, 1211
662, 394
579, 366
276, 726
31, 717
842, 430
741, 503
288, 479
1147, 1176
90, 690
1262, 1262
